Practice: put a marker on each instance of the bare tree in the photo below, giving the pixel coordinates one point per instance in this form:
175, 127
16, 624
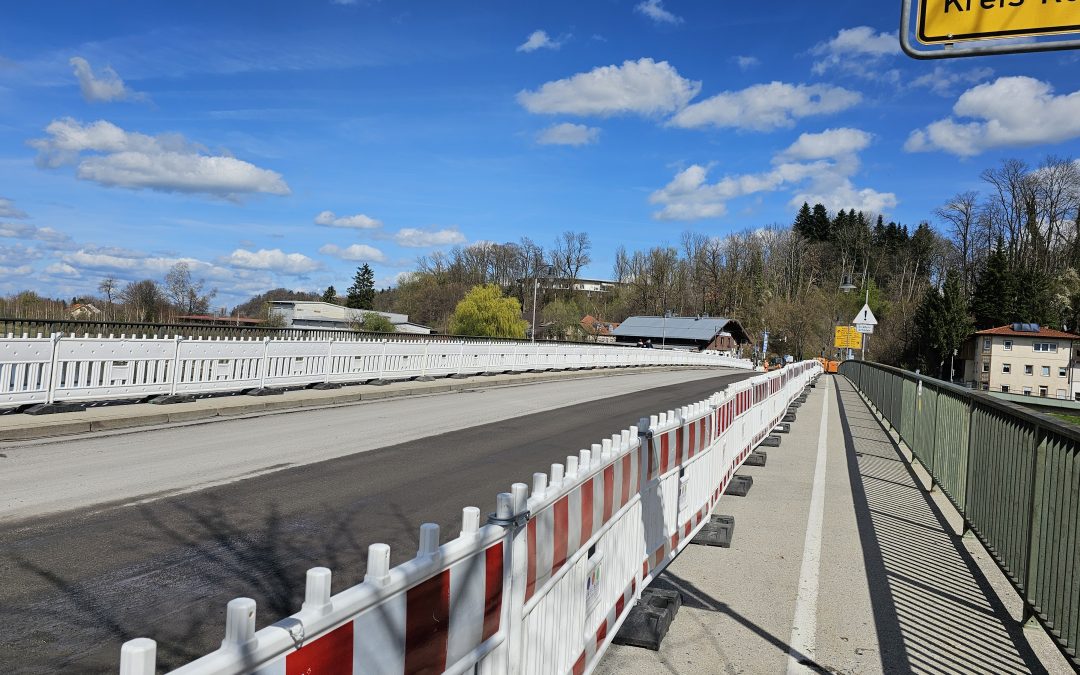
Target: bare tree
961, 213
142, 299
108, 287
571, 253
185, 293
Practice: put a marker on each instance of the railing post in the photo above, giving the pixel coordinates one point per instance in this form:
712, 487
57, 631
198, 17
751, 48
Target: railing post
423, 368
264, 364
969, 475
1031, 559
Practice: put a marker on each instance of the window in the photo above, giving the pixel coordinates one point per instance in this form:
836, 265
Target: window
1004, 389
1046, 346
1008, 345
1029, 370
1027, 391
986, 344
1006, 367
1063, 371
1043, 391
986, 366
1046, 371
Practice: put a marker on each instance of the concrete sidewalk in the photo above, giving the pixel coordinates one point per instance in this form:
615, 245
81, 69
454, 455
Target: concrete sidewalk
19, 427
841, 563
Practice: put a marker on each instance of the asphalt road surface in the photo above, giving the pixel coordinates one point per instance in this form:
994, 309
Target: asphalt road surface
131, 562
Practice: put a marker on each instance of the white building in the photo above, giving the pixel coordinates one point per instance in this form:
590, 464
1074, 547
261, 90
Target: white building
328, 316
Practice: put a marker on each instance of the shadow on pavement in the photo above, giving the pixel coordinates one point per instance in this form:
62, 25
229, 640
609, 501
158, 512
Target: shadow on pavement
934, 610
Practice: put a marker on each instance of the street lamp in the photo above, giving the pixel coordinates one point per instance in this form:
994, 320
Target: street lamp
846, 285
536, 287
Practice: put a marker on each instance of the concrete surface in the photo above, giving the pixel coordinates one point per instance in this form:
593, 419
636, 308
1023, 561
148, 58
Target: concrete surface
80, 582
898, 590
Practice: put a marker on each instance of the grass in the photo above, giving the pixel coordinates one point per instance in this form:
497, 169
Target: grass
1071, 419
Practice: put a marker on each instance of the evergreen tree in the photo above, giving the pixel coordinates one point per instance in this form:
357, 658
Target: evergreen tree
944, 323
362, 292
994, 297
330, 294
804, 222
820, 219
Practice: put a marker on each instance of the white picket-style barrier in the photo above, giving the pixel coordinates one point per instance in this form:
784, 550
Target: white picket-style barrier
74, 369
545, 584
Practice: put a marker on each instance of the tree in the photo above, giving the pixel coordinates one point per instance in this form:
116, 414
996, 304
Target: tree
373, 322
571, 253
330, 294
563, 319
362, 292
945, 321
485, 312
821, 223
108, 287
185, 293
994, 298
804, 222
143, 299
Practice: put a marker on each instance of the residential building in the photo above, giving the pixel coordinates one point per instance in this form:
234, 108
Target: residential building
1024, 358
328, 316
698, 333
597, 330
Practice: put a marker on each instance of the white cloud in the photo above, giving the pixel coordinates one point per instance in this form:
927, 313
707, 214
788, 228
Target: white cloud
654, 9
644, 87
358, 221
13, 255
166, 162
764, 107
416, 238
1010, 111
538, 39
827, 144
102, 87
356, 252
816, 167
747, 62
20, 271
568, 134
53, 239
63, 270
8, 210
943, 81
273, 260
856, 50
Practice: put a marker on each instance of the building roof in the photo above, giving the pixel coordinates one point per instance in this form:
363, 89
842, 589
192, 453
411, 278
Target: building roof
692, 328
1035, 330
222, 319
591, 323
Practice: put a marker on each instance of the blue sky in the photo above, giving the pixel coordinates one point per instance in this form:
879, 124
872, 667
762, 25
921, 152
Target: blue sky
283, 143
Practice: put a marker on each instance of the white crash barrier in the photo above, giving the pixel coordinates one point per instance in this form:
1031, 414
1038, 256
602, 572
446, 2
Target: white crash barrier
543, 586
57, 368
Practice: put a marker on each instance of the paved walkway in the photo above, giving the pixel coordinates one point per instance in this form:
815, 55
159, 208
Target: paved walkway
841, 563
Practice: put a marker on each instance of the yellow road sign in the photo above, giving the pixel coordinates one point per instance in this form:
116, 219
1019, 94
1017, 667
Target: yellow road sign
958, 20
847, 338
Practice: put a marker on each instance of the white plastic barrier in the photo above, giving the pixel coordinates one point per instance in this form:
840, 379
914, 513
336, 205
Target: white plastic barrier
57, 368
544, 586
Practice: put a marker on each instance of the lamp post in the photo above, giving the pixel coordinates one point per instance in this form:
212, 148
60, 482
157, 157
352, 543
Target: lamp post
663, 339
536, 287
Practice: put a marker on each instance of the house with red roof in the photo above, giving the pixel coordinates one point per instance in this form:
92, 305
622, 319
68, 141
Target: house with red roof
1024, 358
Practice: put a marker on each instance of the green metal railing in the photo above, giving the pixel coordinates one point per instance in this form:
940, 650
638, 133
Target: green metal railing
1012, 473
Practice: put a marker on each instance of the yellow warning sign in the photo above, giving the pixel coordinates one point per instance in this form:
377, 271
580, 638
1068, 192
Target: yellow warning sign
958, 20
847, 338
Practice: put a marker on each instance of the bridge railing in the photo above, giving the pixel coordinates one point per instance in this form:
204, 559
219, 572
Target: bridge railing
544, 586
1012, 473
58, 368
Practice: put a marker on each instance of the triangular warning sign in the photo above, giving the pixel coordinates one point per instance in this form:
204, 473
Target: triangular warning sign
865, 316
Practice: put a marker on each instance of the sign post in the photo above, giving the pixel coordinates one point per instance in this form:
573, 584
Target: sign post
865, 322
948, 22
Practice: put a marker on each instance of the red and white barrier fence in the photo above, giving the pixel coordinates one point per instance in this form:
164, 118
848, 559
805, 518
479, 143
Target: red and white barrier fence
543, 586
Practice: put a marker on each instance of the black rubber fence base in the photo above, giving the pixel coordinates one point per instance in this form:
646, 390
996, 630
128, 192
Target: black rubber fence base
648, 621
717, 532
756, 458
739, 486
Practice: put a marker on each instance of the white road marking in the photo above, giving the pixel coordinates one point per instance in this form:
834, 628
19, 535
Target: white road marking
803, 641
